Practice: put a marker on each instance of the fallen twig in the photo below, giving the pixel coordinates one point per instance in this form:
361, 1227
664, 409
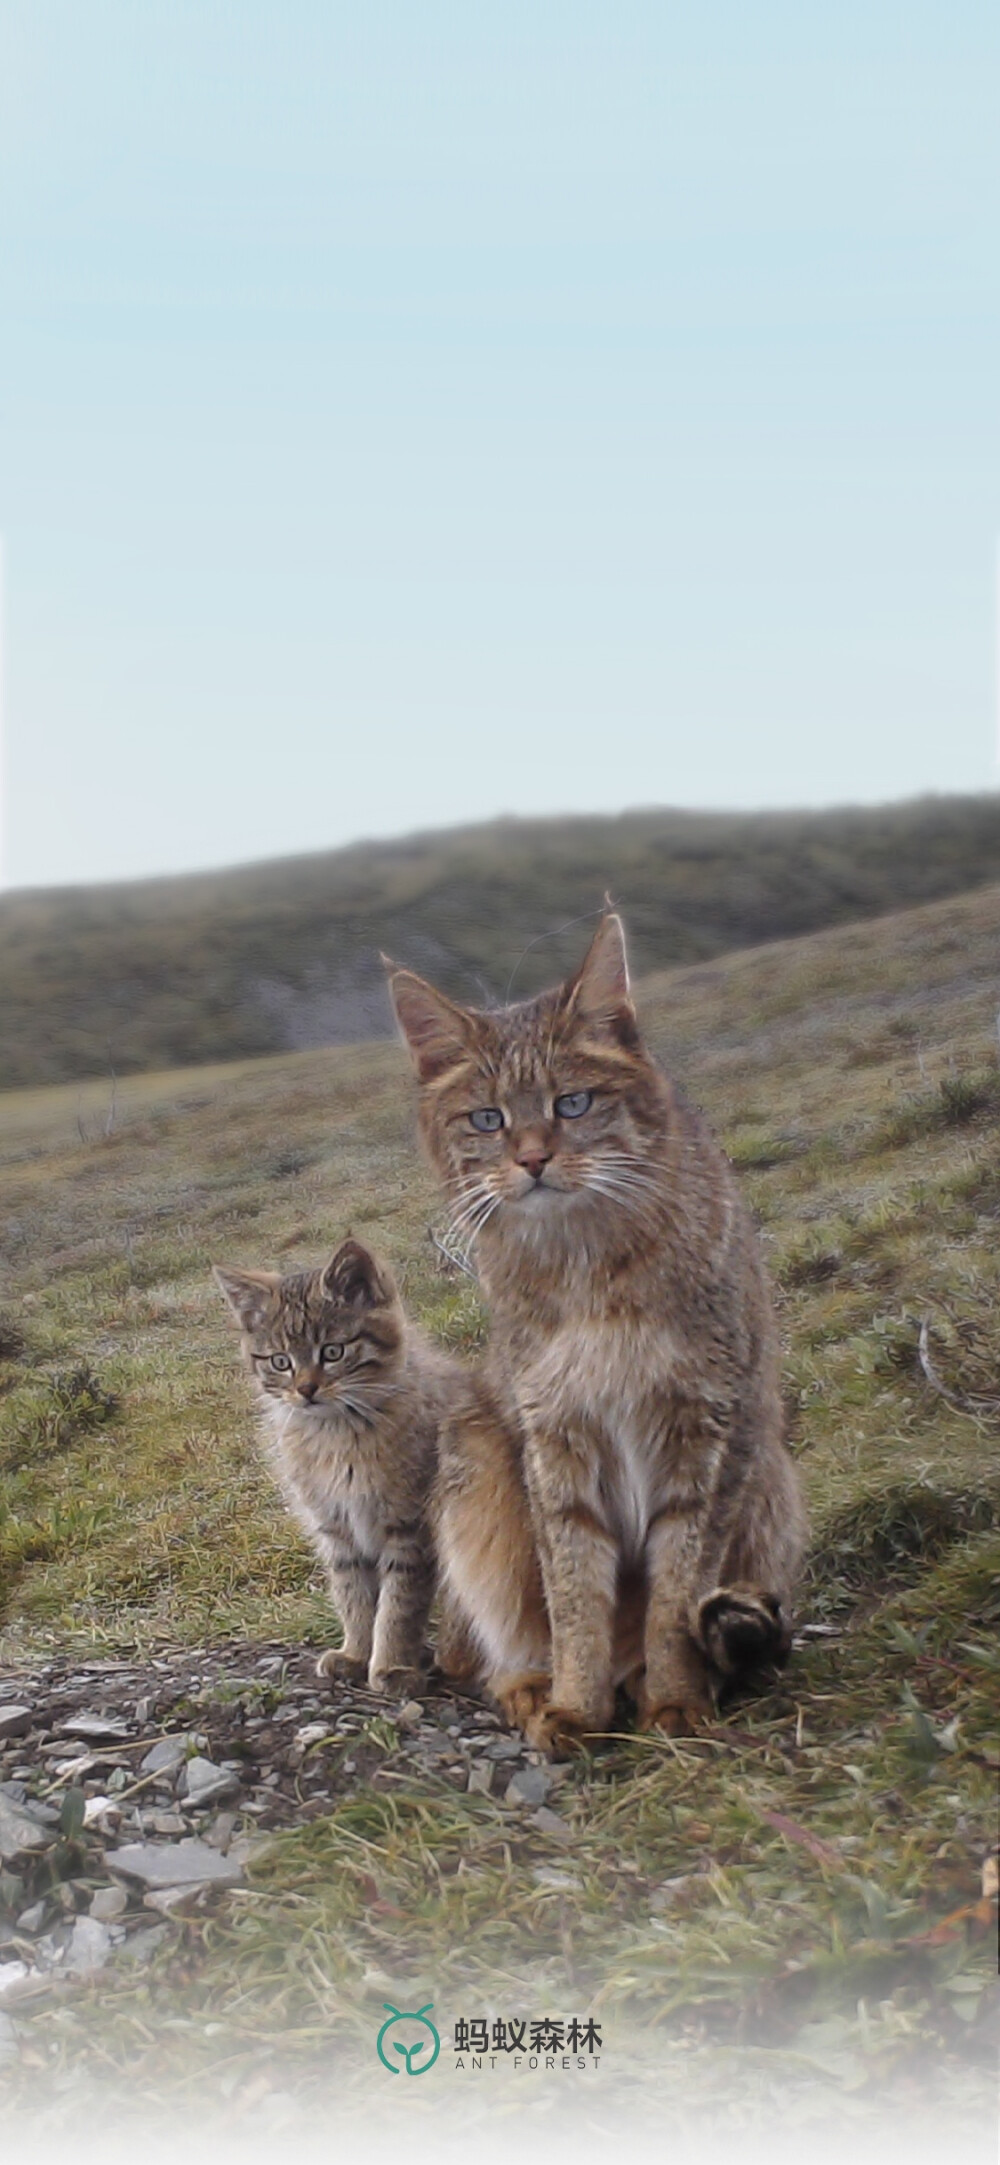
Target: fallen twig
452, 1256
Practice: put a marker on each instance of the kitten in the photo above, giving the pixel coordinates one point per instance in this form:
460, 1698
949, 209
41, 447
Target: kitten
616, 1502
352, 1397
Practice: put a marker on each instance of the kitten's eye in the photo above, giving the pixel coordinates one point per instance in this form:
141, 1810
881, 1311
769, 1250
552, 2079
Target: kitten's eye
573, 1104
333, 1353
487, 1119
282, 1362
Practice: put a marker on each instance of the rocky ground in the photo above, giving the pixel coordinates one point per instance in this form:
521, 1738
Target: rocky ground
131, 1791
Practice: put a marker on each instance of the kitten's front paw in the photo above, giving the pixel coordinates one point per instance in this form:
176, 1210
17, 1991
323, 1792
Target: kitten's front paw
401, 1683
336, 1663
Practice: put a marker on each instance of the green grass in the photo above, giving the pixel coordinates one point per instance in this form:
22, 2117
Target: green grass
837, 1946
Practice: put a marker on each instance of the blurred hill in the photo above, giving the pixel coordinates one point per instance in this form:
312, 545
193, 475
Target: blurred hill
222, 965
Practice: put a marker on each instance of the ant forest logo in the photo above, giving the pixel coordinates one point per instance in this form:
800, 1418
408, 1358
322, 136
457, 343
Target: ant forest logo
407, 2046
547, 2043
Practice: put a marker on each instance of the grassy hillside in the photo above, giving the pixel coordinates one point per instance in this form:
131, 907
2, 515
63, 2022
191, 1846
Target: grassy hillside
217, 966
786, 1916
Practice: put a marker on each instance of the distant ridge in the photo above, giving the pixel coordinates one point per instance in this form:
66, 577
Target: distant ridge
221, 965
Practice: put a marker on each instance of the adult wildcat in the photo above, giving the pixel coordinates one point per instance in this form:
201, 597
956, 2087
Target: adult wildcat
353, 1398
615, 1501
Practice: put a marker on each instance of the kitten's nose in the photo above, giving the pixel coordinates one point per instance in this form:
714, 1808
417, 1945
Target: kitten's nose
534, 1160
307, 1390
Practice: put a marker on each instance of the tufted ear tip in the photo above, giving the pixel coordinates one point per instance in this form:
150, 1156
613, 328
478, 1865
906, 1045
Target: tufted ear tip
353, 1276
436, 1032
246, 1291
601, 985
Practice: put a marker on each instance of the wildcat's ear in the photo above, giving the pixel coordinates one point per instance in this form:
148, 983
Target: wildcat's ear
599, 993
438, 1033
247, 1291
353, 1278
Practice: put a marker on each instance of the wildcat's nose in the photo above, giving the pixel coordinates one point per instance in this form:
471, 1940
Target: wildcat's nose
534, 1160
307, 1390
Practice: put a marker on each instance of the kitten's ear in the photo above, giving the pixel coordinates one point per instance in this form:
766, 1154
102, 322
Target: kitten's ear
438, 1033
599, 993
353, 1278
247, 1291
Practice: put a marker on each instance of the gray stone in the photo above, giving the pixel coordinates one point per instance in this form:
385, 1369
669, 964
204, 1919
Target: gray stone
530, 1785
31, 1920
108, 1904
95, 1728
550, 1823
166, 1756
10, 2050
433, 1744
548, 1875
12, 1975
141, 1945
504, 1748
203, 1784
250, 1849
169, 1900
220, 1833
95, 1809
43, 1815
17, 1832
480, 1780
173, 1864
89, 1946
15, 1721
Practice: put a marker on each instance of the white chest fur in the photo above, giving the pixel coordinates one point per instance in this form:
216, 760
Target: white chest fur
326, 1473
607, 1388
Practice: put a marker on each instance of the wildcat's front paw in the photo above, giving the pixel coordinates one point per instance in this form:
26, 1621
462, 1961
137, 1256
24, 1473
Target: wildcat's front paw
559, 1731
335, 1662
520, 1697
675, 1721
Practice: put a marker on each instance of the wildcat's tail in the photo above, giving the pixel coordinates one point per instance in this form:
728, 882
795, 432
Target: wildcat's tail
742, 1628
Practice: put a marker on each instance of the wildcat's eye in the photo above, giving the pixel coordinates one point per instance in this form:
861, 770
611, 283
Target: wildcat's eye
282, 1362
487, 1119
573, 1104
333, 1353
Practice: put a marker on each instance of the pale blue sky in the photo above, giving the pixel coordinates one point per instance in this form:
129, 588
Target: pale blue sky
413, 412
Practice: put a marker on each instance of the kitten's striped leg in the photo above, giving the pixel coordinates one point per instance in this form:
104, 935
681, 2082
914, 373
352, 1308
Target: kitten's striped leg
406, 1583
353, 1591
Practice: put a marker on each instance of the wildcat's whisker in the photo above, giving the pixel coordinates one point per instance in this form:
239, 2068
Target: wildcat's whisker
459, 1231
